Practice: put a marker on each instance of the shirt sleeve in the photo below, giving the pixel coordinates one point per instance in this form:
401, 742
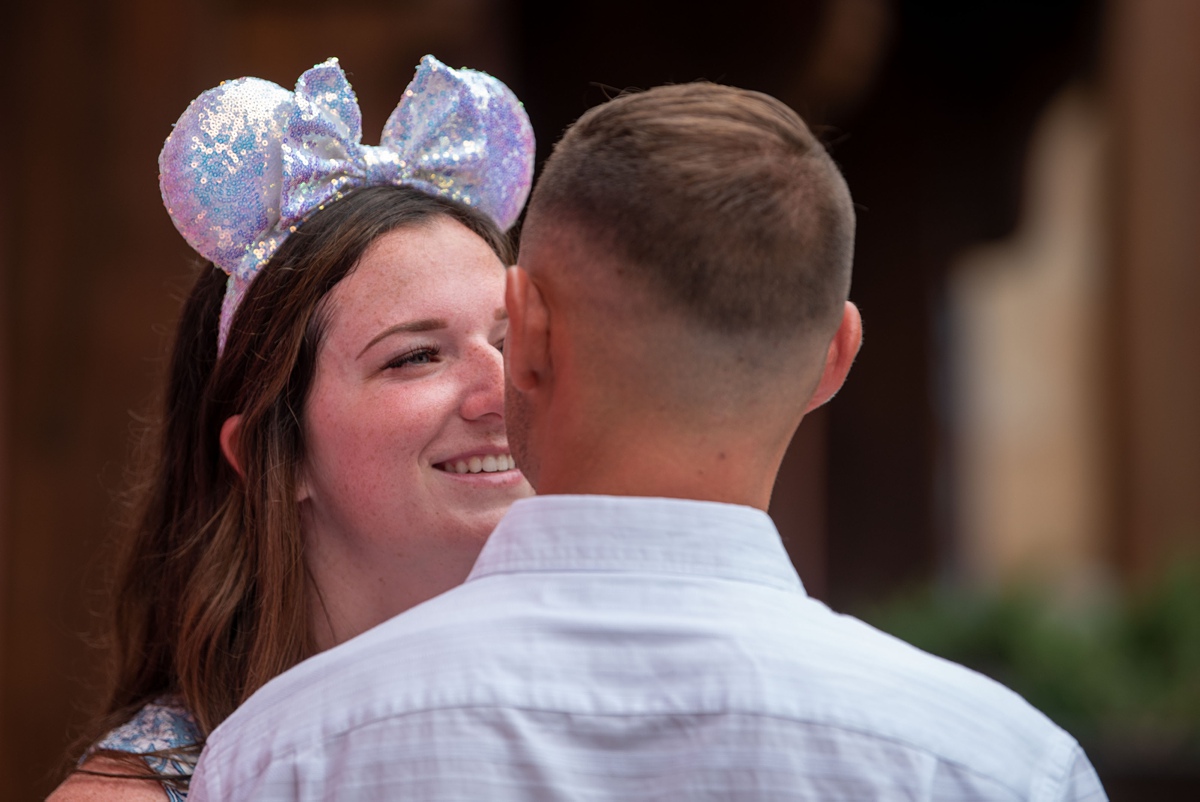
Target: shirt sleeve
1081, 783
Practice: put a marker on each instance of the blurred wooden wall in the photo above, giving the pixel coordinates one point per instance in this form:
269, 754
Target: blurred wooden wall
88, 260
1153, 73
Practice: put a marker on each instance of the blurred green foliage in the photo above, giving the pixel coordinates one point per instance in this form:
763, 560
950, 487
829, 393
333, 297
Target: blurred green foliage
1123, 676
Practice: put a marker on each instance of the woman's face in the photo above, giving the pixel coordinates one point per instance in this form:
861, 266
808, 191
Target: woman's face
407, 468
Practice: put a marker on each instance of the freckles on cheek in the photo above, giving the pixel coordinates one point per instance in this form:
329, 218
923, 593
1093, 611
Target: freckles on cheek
335, 442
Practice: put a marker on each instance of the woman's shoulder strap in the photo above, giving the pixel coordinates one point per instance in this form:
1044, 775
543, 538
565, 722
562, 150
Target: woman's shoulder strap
164, 734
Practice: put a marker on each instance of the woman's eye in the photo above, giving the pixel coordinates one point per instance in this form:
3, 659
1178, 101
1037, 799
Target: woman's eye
417, 356
500, 346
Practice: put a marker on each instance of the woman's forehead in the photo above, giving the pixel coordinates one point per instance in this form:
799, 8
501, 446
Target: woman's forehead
438, 269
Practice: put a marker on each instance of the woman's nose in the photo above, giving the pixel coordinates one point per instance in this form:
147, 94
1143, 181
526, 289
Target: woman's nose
484, 390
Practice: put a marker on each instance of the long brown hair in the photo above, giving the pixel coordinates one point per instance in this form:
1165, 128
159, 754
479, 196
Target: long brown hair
210, 598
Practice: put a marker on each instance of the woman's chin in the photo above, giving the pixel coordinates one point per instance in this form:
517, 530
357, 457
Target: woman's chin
482, 498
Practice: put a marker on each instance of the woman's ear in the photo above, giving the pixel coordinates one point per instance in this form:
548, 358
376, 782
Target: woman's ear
231, 431
840, 356
527, 344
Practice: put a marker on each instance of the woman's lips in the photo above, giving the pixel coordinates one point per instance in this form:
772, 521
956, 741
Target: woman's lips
486, 463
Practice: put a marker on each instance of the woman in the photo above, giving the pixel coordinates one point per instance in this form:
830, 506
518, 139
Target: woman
332, 447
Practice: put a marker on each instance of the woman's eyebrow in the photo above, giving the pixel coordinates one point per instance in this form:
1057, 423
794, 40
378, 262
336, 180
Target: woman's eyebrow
502, 313
427, 324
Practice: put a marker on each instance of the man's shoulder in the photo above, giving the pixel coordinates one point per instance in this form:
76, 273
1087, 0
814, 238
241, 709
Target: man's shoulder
679, 649
860, 685
907, 694
799, 660
401, 650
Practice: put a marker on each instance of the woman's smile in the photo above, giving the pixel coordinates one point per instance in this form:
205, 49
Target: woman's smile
481, 462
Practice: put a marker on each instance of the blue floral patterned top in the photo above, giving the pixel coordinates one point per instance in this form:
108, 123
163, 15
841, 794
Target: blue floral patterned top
163, 724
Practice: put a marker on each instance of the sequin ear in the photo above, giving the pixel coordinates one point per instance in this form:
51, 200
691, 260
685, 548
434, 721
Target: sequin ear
220, 169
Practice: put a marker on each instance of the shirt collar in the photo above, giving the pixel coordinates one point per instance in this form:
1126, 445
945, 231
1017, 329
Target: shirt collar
636, 534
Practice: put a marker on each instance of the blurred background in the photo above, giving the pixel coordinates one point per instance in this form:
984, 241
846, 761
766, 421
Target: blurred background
1011, 476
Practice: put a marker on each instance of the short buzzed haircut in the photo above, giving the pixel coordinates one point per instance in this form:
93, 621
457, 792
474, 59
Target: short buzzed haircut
721, 198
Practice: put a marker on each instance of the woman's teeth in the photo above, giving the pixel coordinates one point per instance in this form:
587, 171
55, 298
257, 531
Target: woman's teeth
489, 464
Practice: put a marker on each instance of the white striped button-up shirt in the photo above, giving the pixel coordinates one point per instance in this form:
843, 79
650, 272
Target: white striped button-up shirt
635, 649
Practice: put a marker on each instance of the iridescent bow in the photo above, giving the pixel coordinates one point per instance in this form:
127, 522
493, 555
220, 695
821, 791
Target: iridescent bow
248, 160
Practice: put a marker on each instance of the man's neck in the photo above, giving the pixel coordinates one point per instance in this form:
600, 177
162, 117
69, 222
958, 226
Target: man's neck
699, 467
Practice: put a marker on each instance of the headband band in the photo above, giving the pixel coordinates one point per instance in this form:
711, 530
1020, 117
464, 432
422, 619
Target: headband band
249, 161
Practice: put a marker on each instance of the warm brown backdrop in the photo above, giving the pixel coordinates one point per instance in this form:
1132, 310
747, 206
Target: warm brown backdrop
931, 106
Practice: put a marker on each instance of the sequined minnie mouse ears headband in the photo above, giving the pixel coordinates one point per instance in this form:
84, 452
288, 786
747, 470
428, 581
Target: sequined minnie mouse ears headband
248, 160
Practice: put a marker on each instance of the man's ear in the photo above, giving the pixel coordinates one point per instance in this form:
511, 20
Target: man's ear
231, 431
840, 356
527, 344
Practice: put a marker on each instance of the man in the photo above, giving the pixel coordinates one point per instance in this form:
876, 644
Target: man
637, 631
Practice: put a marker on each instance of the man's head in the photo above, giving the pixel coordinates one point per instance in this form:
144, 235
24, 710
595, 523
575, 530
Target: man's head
684, 266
